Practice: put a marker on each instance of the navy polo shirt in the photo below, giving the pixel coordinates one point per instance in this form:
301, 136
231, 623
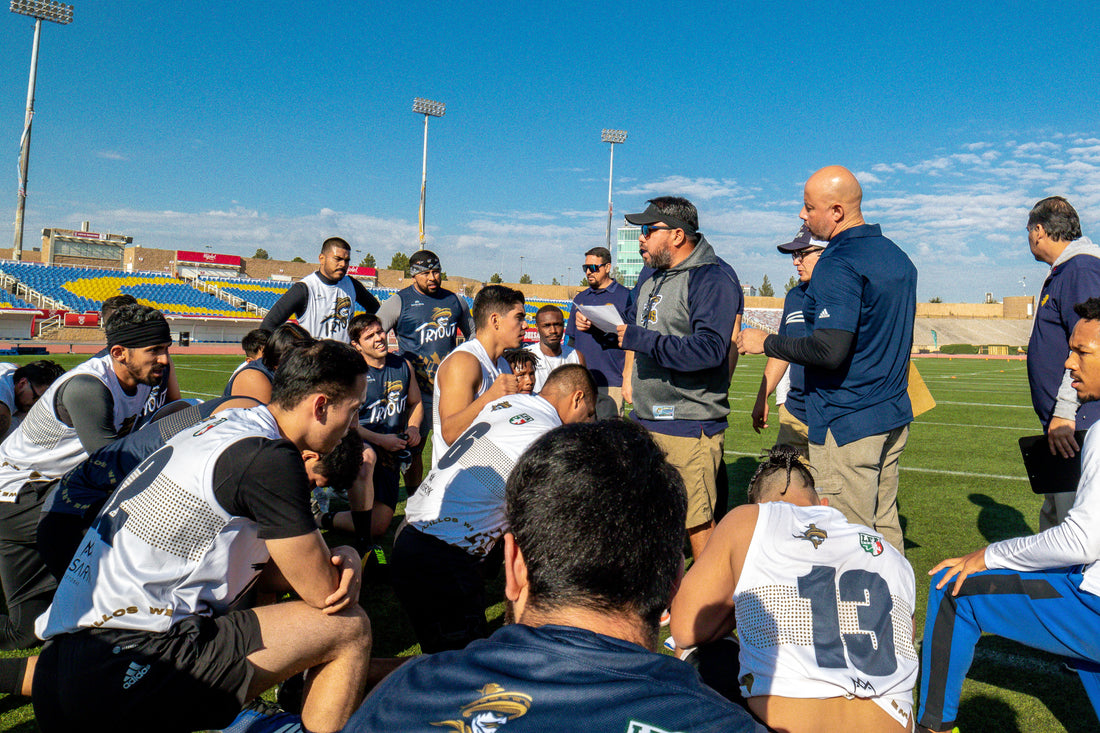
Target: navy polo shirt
794, 326
1069, 283
606, 365
865, 285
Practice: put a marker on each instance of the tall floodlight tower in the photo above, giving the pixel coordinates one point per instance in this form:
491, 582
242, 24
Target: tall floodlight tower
613, 137
428, 108
40, 10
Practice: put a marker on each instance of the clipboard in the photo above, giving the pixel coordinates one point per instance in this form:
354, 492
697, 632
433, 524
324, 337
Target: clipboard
1050, 474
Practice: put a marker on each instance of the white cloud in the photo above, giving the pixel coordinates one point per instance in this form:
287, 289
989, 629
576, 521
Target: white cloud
110, 155
695, 189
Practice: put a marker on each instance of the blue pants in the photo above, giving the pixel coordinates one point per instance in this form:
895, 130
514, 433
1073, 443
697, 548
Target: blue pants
1046, 610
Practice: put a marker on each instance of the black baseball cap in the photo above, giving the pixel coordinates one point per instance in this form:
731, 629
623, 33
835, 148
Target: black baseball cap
652, 215
802, 240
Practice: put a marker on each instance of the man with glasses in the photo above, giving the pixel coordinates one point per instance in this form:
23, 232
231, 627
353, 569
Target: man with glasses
804, 250
859, 313
426, 319
679, 328
603, 358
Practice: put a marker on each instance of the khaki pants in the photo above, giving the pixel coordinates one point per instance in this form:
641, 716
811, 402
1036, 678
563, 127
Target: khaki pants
697, 461
793, 432
861, 480
1055, 508
615, 393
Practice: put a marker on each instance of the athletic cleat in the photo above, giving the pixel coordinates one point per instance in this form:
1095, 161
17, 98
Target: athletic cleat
670, 644
261, 716
666, 617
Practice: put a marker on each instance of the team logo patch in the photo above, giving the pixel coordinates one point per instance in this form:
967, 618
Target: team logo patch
503, 405
871, 544
1044, 300
649, 315
635, 727
491, 711
521, 419
664, 412
814, 535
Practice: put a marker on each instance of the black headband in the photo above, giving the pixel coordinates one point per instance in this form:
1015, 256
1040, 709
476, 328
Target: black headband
140, 335
426, 265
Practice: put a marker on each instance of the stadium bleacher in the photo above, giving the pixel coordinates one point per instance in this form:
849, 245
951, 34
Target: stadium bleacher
85, 289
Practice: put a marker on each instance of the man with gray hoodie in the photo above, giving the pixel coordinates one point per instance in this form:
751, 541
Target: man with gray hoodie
679, 327
1054, 236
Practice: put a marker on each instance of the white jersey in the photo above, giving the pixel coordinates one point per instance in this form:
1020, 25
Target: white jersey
824, 609
462, 500
489, 374
547, 364
7, 395
329, 308
163, 548
44, 448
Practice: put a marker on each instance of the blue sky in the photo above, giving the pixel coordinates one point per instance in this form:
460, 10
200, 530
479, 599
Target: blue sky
275, 124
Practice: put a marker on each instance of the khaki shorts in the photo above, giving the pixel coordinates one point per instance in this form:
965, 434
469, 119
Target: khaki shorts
697, 461
793, 432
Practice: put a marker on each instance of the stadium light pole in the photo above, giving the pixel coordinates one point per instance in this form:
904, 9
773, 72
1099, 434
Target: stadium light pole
40, 10
428, 108
614, 137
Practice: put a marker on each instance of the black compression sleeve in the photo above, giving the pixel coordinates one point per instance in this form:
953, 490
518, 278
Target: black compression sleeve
85, 404
826, 348
369, 302
292, 303
265, 480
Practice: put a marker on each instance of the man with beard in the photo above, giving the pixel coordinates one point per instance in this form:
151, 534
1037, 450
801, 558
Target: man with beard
92, 405
324, 301
426, 319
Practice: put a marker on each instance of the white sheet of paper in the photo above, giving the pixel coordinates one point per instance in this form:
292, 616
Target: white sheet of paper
604, 317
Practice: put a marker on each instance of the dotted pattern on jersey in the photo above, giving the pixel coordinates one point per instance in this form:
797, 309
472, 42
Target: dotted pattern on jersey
488, 465
42, 428
172, 520
177, 422
771, 615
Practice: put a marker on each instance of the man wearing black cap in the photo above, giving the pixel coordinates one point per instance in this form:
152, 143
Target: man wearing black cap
804, 249
679, 328
325, 301
425, 318
92, 405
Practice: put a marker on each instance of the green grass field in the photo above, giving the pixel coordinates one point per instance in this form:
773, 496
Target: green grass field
962, 486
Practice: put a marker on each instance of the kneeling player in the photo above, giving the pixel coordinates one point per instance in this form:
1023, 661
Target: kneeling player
823, 609
143, 626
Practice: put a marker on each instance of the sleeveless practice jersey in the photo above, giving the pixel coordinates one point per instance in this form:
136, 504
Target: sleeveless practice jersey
256, 365
329, 308
824, 609
427, 330
547, 364
489, 373
44, 448
163, 548
383, 409
462, 500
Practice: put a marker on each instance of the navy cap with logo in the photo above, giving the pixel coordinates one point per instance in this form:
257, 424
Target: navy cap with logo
652, 215
801, 241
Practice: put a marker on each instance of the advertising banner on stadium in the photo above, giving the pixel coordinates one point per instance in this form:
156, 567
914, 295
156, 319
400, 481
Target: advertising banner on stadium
208, 258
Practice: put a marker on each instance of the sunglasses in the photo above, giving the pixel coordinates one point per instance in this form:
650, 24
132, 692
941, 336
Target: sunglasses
593, 268
648, 229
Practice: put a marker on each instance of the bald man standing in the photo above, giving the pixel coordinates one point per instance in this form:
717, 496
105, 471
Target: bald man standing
859, 312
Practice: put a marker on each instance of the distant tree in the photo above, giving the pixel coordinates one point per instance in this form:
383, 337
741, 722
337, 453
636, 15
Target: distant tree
496, 278
296, 259
766, 289
400, 261
616, 275
368, 261
584, 281
443, 275
555, 282
261, 254
792, 283
525, 279
936, 299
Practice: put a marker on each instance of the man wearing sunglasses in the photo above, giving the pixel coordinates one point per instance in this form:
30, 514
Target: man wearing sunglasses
679, 328
859, 313
604, 360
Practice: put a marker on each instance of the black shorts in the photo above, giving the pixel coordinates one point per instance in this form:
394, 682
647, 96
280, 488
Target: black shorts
194, 676
386, 478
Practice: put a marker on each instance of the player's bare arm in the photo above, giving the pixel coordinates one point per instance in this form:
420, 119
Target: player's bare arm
702, 609
459, 379
773, 373
322, 578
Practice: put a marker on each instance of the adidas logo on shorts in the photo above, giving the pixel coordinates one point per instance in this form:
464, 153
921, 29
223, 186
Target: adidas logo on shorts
134, 673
